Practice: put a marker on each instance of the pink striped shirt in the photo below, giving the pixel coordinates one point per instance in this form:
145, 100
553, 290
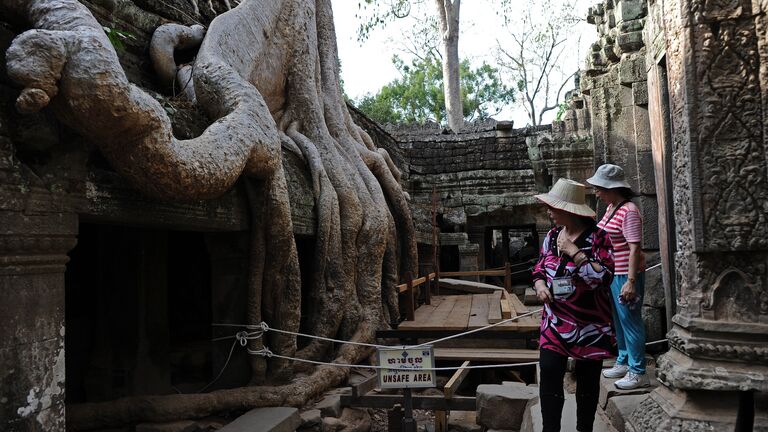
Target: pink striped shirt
625, 227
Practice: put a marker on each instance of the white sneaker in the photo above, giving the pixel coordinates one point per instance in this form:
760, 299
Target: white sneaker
633, 381
617, 371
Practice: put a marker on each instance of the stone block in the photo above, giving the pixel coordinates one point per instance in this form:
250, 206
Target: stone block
654, 319
608, 390
630, 42
626, 10
654, 286
620, 407
275, 419
646, 175
177, 426
632, 69
329, 406
503, 406
463, 421
310, 418
532, 419
649, 212
640, 93
351, 419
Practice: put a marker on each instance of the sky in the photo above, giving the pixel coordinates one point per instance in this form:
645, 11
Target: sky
367, 67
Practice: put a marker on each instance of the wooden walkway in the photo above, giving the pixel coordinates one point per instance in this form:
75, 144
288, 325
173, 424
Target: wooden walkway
471, 311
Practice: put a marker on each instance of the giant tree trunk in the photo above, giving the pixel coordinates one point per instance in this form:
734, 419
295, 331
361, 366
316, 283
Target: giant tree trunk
267, 73
448, 14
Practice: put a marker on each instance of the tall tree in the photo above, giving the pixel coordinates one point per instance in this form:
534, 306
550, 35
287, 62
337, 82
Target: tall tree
418, 96
364, 236
448, 12
448, 15
539, 38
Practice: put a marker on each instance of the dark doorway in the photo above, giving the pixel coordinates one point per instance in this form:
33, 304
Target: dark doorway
517, 245
137, 313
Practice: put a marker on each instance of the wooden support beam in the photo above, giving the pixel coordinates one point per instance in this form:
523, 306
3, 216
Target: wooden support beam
494, 308
410, 303
441, 417
506, 308
457, 403
473, 273
507, 277
455, 381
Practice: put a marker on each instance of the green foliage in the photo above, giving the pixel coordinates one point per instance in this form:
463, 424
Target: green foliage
116, 37
561, 109
418, 96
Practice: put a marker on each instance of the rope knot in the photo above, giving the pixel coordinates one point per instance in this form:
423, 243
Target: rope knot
242, 337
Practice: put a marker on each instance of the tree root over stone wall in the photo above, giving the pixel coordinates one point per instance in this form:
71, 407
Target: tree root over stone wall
267, 72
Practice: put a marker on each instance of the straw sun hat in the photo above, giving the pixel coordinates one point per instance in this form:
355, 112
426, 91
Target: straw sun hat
569, 196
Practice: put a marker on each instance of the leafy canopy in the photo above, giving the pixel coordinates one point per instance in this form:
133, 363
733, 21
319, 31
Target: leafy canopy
418, 96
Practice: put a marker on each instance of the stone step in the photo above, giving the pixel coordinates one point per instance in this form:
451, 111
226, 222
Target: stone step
620, 407
608, 390
277, 419
532, 418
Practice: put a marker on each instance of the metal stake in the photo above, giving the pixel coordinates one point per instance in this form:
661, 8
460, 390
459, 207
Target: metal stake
409, 424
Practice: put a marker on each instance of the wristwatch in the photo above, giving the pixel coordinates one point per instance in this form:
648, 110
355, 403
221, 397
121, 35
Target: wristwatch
631, 280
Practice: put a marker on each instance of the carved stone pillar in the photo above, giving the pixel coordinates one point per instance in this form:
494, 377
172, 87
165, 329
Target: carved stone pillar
468, 258
717, 67
33, 248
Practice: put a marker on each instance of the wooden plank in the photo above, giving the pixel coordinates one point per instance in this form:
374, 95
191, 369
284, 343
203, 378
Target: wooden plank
490, 355
455, 381
473, 273
468, 286
443, 312
507, 277
478, 315
506, 309
457, 403
432, 317
459, 317
517, 305
364, 387
494, 309
441, 421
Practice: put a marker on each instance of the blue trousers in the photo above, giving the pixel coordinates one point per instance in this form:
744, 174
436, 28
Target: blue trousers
630, 329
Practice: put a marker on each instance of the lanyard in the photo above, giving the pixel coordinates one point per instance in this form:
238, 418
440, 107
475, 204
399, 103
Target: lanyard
614, 213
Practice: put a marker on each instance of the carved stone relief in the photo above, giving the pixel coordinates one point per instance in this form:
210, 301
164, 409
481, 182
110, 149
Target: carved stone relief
731, 162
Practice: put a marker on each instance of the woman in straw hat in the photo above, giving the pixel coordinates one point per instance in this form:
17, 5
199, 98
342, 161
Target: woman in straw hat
572, 278
623, 222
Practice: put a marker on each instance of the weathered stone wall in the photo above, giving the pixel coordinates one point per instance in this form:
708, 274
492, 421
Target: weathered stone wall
486, 176
615, 89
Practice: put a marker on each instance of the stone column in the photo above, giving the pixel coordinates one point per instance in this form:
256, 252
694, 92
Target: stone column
718, 91
468, 258
34, 241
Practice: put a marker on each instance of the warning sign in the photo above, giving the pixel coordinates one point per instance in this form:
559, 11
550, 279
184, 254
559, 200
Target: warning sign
406, 368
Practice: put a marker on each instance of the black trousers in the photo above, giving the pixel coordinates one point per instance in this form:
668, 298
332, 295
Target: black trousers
551, 393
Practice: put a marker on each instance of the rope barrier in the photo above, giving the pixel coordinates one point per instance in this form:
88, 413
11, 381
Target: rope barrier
265, 328
266, 352
653, 267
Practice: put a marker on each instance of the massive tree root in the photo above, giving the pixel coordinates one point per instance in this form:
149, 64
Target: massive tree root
267, 72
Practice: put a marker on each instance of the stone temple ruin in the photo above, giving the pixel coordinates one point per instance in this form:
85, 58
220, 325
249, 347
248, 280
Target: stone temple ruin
109, 290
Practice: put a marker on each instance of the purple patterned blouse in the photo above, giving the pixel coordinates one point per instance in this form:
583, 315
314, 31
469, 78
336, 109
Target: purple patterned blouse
578, 324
